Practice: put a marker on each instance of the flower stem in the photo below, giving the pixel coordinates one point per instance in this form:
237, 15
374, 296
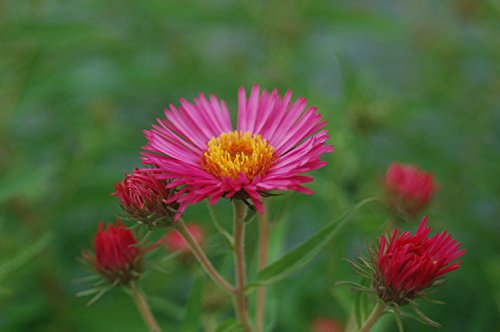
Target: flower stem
203, 259
240, 304
374, 317
144, 309
263, 248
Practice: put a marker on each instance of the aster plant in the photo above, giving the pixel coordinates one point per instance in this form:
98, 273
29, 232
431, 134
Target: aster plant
194, 153
197, 148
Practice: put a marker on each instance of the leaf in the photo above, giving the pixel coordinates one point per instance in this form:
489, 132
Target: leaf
191, 321
22, 182
397, 316
166, 307
249, 215
230, 325
218, 225
271, 311
424, 317
361, 304
88, 292
301, 255
5, 292
101, 292
25, 256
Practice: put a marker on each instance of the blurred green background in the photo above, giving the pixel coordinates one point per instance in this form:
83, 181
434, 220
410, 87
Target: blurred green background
410, 81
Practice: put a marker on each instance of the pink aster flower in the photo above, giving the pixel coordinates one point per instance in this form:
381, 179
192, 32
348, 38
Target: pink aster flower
409, 189
406, 264
275, 141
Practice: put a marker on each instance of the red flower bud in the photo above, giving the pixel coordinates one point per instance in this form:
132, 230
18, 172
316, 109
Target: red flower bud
408, 188
145, 198
325, 324
116, 256
175, 242
406, 264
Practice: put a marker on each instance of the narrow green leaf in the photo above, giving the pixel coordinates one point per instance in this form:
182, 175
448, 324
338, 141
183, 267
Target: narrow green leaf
101, 292
357, 309
22, 182
301, 255
166, 307
5, 292
397, 316
271, 311
230, 325
25, 256
89, 278
192, 319
362, 304
425, 318
88, 292
251, 212
218, 225
409, 315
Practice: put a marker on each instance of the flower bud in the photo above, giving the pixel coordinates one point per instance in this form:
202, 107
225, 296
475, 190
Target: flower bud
175, 242
408, 189
145, 198
116, 256
405, 264
325, 324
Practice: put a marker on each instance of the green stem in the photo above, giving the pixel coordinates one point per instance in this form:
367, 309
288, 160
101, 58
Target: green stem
144, 309
203, 259
240, 304
263, 249
374, 317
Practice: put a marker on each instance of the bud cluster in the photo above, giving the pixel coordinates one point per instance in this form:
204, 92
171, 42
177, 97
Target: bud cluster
144, 198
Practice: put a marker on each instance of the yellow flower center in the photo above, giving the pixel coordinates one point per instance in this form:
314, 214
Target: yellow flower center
236, 152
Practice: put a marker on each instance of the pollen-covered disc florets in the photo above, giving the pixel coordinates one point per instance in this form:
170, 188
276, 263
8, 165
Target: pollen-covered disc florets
116, 255
235, 153
145, 198
406, 264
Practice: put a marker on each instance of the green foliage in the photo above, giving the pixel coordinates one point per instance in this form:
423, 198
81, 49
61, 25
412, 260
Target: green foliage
409, 81
304, 253
24, 256
192, 321
230, 325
